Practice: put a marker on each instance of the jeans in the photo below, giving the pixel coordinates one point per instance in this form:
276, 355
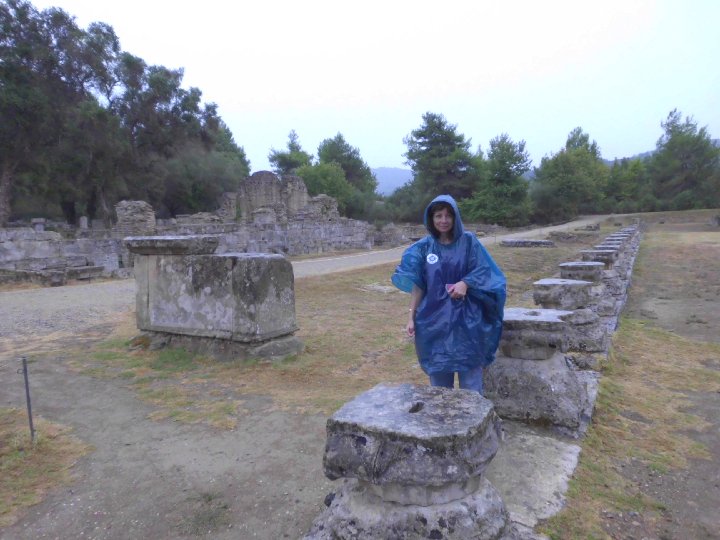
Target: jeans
469, 380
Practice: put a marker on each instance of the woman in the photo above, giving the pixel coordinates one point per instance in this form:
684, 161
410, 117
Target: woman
457, 299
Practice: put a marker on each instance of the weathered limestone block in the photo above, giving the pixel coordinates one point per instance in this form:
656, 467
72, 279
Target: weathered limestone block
412, 435
533, 334
38, 224
582, 270
564, 294
201, 218
134, 218
586, 331
172, 245
237, 297
526, 242
607, 257
294, 194
610, 246
227, 207
356, 513
614, 283
323, 208
264, 216
542, 392
416, 457
262, 189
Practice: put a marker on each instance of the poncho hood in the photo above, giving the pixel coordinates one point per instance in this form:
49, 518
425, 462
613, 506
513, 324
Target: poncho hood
458, 228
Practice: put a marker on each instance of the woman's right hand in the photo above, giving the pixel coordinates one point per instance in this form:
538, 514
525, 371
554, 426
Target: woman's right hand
410, 327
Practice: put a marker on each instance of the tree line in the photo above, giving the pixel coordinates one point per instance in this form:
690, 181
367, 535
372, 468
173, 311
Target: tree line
84, 124
682, 173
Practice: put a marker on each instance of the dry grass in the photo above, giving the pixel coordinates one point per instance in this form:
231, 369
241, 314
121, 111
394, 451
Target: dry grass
27, 470
641, 412
352, 324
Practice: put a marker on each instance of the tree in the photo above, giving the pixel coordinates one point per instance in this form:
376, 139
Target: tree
502, 195
571, 181
628, 188
329, 179
440, 158
685, 169
197, 177
289, 161
52, 74
357, 172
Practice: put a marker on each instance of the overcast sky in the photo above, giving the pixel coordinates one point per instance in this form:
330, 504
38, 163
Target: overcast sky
369, 69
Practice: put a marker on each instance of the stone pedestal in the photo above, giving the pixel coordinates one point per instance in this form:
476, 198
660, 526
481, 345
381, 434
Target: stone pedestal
585, 331
531, 381
607, 257
413, 459
582, 270
563, 294
233, 305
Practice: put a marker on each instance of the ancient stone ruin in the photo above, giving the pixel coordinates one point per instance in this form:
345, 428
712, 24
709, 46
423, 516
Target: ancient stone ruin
412, 459
230, 306
268, 214
544, 370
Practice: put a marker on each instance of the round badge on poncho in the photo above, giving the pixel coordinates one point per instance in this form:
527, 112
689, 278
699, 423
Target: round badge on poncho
432, 258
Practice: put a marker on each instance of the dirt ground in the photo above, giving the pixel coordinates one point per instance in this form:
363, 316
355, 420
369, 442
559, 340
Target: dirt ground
146, 478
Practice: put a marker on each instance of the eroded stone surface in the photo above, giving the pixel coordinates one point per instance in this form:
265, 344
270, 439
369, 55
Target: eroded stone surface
563, 294
241, 297
526, 242
546, 392
172, 245
412, 435
582, 270
607, 257
355, 513
533, 334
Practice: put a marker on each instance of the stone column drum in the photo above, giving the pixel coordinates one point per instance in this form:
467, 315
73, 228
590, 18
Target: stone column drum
592, 271
585, 332
531, 381
607, 257
413, 459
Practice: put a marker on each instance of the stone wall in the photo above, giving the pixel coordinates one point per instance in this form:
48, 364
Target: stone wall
49, 258
276, 215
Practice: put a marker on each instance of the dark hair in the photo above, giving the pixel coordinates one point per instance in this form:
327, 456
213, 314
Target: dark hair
436, 207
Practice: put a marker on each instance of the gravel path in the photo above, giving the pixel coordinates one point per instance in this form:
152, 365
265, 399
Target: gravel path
36, 313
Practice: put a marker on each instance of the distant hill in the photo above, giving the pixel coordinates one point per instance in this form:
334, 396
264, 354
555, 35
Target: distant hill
391, 178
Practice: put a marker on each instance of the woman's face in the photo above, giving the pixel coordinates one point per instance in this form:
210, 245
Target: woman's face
443, 220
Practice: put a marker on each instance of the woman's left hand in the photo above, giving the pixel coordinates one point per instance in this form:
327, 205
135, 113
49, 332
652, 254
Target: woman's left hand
458, 291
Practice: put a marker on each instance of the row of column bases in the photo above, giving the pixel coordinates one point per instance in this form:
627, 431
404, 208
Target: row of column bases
411, 458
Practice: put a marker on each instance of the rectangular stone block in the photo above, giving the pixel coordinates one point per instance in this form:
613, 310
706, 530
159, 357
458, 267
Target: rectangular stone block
237, 296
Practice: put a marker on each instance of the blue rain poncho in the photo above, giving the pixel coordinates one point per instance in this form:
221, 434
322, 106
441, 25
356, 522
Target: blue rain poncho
453, 335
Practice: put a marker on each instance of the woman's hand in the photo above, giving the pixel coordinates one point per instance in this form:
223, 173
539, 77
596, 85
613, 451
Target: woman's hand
410, 326
458, 291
